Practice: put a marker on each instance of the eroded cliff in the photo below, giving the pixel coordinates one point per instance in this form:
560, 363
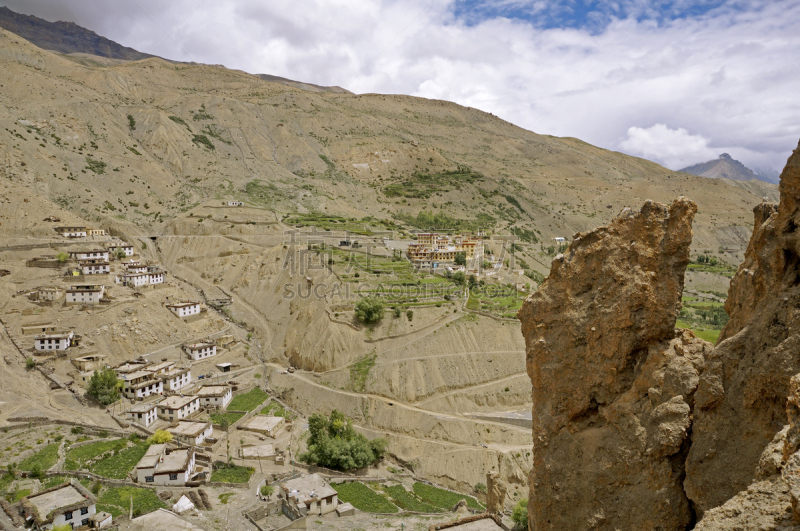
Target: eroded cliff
613, 381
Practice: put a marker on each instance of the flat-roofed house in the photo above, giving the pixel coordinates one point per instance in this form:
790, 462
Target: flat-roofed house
176, 379
134, 266
266, 425
140, 384
310, 495
71, 232
162, 467
90, 254
184, 309
55, 341
130, 367
144, 414
90, 363
199, 351
155, 275
68, 503
115, 246
218, 396
158, 369
38, 328
191, 433
178, 407
85, 294
94, 267
49, 293
134, 280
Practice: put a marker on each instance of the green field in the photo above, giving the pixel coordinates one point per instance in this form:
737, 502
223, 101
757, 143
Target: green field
217, 418
409, 501
364, 498
76, 457
117, 501
248, 401
443, 498
364, 226
118, 466
233, 474
274, 409
44, 458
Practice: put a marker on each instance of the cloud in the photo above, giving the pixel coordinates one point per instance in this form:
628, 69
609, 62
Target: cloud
613, 75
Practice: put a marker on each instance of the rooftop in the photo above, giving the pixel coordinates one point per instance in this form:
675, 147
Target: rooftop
198, 346
130, 367
185, 304
134, 375
142, 408
62, 496
189, 429
176, 402
263, 450
151, 458
213, 390
59, 335
160, 520
262, 423
303, 488
160, 366
175, 461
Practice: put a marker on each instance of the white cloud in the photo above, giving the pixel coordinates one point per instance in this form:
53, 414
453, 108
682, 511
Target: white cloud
727, 78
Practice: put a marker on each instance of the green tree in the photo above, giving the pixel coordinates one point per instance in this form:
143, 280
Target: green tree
62, 257
410, 315
369, 310
267, 491
120, 254
104, 386
520, 514
459, 277
460, 258
334, 443
160, 437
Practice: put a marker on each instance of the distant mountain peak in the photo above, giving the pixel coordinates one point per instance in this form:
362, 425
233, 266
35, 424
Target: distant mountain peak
725, 167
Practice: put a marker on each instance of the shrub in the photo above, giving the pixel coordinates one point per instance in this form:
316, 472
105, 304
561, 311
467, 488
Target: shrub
62, 257
160, 437
520, 514
30, 363
104, 386
410, 315
267, 490
334, 443
480, 487
131, 123
369, 310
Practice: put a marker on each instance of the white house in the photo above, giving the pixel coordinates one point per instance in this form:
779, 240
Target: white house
95, 267
140, 384
160, 368
49, 293
68, 503
155, 275
199, 351
85, 294
310, 495
233, 203
264, 424
218, 396
144, 414
90, 363
162, 467
91, 254
185, 309
191, 433
178, 407
134, 280
115, 246
176, 379
71, 232
58, 341
134, 267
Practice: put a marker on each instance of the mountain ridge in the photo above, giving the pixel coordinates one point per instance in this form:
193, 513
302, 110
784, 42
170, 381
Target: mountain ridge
728, 168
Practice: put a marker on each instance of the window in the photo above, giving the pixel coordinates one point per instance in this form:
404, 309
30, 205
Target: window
148, 479
85, 521
68, 516
173, 476
85, 510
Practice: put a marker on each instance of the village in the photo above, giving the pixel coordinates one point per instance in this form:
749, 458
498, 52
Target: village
196, 420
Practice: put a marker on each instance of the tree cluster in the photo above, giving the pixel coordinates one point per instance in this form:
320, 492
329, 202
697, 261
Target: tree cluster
369, 310
334, 443
104, 386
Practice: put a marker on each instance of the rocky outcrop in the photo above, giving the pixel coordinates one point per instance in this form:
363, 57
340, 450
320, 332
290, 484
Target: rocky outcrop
495, 493
740, 404
614, 383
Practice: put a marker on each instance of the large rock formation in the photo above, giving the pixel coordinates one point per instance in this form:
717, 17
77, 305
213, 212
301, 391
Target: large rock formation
745, 385
614, 383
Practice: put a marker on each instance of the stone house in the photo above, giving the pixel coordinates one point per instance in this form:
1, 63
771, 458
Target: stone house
140, 384
160, 466
178, 407
90, 363
199, 351
215, 396
310, 495
144, 414
176, 379
90, 254
126, 247
191, 433
85, 294
71, 232
94, 267
68, 503
184, 309
55, 341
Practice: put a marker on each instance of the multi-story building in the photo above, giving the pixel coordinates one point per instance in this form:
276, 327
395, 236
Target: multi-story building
90, 254
310, 495
191, 433
68, 503
71, 232
155, 275
431, 248
90, 363
95, 267
160, 466
114, 246
176, 379
134, 280
140, 384
85, 294
199, 351
57, 341
158, 369
134, 266
184, 309
144, 414
178, 407
215, 396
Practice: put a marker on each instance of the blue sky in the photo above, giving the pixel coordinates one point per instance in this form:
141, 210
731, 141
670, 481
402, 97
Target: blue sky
677, 82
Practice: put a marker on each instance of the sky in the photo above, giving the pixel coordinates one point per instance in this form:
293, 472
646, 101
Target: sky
674, 81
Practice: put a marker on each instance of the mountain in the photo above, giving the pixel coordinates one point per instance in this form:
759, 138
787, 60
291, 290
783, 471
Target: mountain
65, 37
725, 167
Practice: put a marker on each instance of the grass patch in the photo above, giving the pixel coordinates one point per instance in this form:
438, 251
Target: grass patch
409, 501
443, 498
202, 140
97, 166
217, 418
180, 121
359, 372
424, 185
117, 500
364, 498
54, 481
223, 498
76, 457
274, 409
118, 466
17, 495
248, 401
233, 474
45, 458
